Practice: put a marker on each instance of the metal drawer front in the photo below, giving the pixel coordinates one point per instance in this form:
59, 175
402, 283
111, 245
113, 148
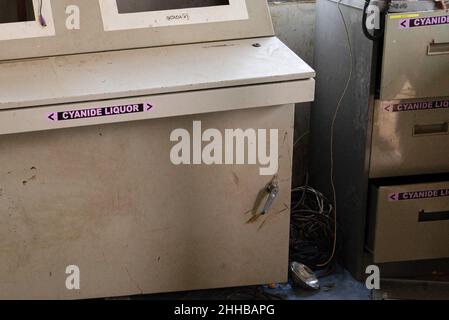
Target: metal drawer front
410, 138
416, 56
411, 222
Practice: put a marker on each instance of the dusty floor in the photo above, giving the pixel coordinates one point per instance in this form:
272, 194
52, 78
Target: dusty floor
338, 286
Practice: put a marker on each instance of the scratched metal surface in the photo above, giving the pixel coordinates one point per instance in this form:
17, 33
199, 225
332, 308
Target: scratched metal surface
108, 199
148, 71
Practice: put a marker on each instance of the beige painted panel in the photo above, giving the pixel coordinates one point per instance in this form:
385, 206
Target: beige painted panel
398, 235
167, 105
410, 142
119, 74
91, 36
415, 60
108, 199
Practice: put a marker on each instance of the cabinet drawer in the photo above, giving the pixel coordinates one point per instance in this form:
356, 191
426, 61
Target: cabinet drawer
410, 222
416, 56
410, 138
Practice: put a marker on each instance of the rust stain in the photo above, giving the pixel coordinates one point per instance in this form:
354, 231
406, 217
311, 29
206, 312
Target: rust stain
262, 225
254, 218
286, 208
32, 178
236, 178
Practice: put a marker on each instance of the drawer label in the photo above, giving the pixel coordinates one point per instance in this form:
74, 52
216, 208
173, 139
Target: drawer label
417, 106
99, 112
423, 22
416, 195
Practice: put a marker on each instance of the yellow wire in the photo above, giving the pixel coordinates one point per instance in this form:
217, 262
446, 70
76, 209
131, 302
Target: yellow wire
334, 249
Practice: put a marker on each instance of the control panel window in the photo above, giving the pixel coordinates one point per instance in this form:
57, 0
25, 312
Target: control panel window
16, 11
133, 14
130, 6
22, 19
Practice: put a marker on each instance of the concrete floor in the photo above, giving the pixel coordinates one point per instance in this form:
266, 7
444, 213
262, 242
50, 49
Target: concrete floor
338, 286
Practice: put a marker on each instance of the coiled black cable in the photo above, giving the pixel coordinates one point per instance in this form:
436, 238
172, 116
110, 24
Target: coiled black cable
312, 228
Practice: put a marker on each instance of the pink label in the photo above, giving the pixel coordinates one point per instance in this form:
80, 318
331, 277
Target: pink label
423, 22
99, 112
418, 106
416, 195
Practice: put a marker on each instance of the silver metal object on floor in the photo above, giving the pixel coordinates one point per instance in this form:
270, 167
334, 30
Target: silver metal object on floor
304, 276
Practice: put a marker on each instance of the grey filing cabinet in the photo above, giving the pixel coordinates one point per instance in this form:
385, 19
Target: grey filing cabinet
87, 118
391, 137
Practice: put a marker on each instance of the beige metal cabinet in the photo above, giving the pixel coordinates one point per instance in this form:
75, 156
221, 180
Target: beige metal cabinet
86, 126
108, 200
416, 56
410, 222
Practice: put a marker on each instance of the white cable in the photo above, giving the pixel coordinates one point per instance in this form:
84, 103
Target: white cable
337, 110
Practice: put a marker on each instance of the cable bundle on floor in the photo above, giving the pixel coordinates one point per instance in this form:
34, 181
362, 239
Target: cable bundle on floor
312, 229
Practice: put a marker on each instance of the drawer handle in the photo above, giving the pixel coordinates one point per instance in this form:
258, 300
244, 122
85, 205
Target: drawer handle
433, 216
435, 49
431, 129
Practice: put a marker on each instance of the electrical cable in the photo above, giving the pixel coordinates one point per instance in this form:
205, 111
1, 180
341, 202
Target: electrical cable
334, 120
311, 228
42, 20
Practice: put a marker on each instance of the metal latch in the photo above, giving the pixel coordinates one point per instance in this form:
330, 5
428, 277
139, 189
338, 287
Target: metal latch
273, 191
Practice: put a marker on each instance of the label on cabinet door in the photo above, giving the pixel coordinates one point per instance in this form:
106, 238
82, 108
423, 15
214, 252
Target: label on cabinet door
423, 22
416, 195
99, 112
417, 106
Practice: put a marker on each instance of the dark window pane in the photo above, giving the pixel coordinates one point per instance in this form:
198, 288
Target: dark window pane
16, 11
130, 6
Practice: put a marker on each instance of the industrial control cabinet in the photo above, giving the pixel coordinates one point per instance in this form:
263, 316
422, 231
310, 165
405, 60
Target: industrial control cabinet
90, 118
391, 137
